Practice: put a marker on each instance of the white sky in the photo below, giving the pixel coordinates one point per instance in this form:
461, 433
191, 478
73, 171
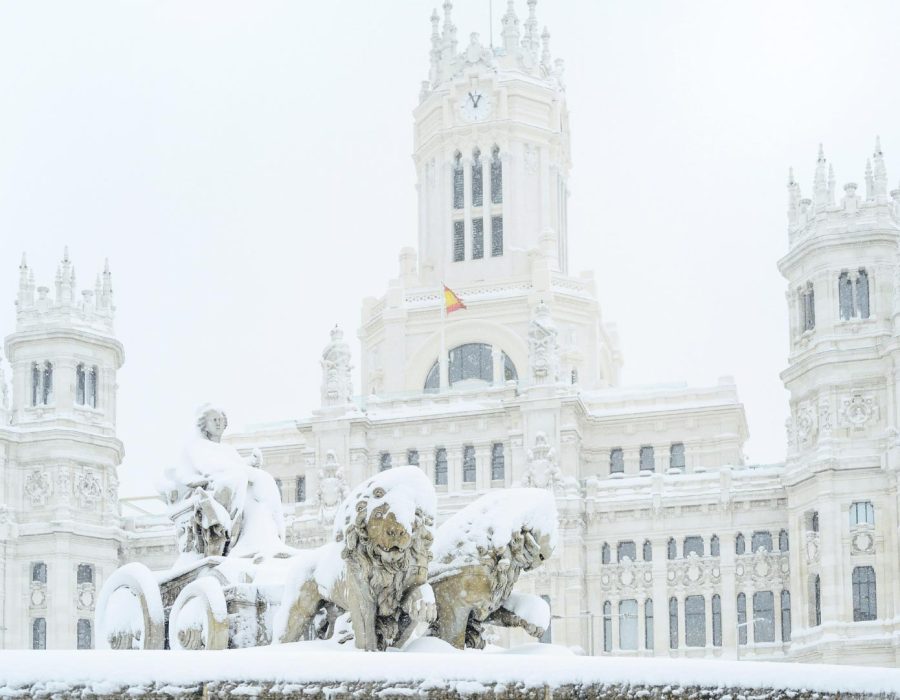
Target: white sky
246, 168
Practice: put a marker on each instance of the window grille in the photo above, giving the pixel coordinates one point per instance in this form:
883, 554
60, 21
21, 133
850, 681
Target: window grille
673, 623
477, 180
496, 177
628, 624
761, 539
39, 572
84, 635
808, 307
471, 361
498, 462
440, 466
85, 574
817, 600
648, 462
459, 241
648, 623
742, 618
91, 387
716, 620
458, 182
47, 385
35, 384
763, 617
469, 464
509, 369
695, 621
864, 603
692, 544
39, 633
616, 461
814, 521
785, 616
676, 456
477, 239
80, 380
626, 549
433, 380
496, 236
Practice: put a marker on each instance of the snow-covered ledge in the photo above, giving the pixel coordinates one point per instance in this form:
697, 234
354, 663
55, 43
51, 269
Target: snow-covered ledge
300, 670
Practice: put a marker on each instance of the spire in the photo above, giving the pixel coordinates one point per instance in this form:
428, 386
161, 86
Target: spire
435, 53
449, 33
820, 188
880, 175
106, 292
26, 285
793, 199
546, 61
870, 181
510, 28
64, 279
530, 41
831, 184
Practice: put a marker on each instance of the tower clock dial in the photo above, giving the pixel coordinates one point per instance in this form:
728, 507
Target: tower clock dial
475, 106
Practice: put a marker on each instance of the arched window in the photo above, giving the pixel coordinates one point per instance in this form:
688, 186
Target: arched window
739, 544
864, 603
717, 620
714, 546
605, 554
648, 623
808, 307
496, 176
477, 179
742, 618
814, 521
783, 541
693, 544
862, 513
468, 464
35, 384
626, 549
694, 621
458, 181
39, 572
498, 462
763, 616
80, 384
91, 387
47, 384
761, 539
84, 635
470, 362
671, 549
628, 624
440, 466
817, 601
85, 574
845, 296
862, 293
39, 633
301, 489
673, 623
607, 626
785, 616
648, 551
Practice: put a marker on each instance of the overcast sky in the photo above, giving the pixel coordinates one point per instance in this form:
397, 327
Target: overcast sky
246, 169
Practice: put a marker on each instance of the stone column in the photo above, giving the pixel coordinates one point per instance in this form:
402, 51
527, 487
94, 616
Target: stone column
729, 592
483, 467
660, 597
426, 462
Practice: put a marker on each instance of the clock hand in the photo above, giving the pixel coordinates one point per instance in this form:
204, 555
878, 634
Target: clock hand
475, 102
472, 100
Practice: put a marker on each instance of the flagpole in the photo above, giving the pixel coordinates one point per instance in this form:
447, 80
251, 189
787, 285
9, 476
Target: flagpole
442, 358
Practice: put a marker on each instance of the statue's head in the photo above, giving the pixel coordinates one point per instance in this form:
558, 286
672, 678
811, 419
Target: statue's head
212, 422
337, 333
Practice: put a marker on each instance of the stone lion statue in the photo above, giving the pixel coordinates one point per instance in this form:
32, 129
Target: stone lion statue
376, 568
479, 554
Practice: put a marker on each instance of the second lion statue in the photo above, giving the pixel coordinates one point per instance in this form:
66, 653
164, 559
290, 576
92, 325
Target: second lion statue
376, 568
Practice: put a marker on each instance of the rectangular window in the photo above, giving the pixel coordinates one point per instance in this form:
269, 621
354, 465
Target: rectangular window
862, 512
496, 178
84, 635
862, 294
626, 549
845, 296
607, 626
808, 307
440, 466
648, 462
459, 241
648, 624
693, 544
695, 621
79, 385
785, 616
85, 574
412, 457
458, 184
676, 455
761, 539
384, 461
39, 633
301, 489
477, 239
763, 617
817, 601
477, 181
673, 623
628, 624
742, 618
864, 603
468, 464
717, 620
39, 572
496, 236
498, 462
616, 461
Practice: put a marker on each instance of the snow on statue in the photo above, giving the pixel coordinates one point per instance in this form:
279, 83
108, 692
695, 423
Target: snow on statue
376, 569
479, 554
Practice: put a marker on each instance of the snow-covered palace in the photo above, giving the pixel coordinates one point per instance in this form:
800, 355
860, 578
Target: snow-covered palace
670, 544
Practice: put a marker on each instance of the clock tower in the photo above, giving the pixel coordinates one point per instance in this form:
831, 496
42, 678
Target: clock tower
492, 153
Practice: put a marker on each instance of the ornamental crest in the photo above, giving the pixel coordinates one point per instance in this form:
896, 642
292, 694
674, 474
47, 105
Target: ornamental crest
38, 487
88, 488
543, 471
805, 423
332, 488
857, 411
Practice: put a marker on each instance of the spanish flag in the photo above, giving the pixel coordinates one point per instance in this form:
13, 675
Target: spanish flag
451, 301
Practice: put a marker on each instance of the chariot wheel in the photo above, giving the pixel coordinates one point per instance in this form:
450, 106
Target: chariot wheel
199, 616
130, 612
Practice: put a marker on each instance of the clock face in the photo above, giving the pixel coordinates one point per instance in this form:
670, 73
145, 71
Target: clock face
475, 106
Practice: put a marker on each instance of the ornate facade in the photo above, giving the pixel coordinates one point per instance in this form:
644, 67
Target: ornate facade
670, 544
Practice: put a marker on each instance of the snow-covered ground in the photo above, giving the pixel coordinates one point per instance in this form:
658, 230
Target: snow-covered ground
429, 663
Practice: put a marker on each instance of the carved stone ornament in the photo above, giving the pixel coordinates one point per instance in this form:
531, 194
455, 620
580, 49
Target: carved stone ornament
812, 547
337, 383
862, 539
332, 488
88, 488
805, 422
542, 471
825, 422
38, 597
857, 411
543, 346
84, 599
37, 488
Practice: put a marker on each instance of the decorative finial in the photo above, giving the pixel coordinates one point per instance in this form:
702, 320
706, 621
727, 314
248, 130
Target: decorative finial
545, 48
821, 154
877, 146
65, 254
880, 172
